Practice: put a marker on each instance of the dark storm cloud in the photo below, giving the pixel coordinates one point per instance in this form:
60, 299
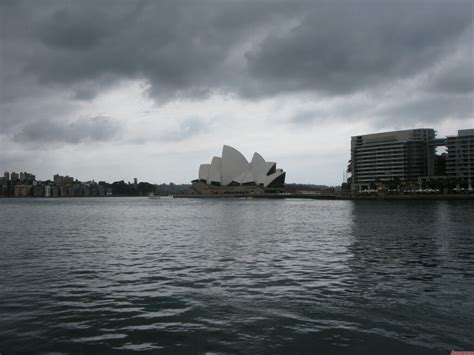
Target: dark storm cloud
183, 48
187, 129
191, 49
84, 94
346, 47
456, 81
95, 129
79, 30
179, 47
426, 110
456, 75
308, 117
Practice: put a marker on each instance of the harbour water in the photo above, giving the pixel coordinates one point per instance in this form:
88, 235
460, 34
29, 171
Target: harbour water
111, 275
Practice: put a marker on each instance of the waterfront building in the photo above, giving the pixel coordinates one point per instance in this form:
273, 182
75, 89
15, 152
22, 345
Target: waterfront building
6, 176
27, 177
63, 180
233, 174
58, 179
460, 159
71, 191
63, 191
400, 156
4, 185
23, 190
38, 191
24, 184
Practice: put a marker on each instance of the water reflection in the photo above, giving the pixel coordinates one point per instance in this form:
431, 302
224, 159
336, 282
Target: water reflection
403, 253
257, 276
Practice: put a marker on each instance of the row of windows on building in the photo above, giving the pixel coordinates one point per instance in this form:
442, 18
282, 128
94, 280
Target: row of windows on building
410, 155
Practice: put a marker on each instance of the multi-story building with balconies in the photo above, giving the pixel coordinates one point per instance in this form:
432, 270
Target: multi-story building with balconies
460, 159
398, 155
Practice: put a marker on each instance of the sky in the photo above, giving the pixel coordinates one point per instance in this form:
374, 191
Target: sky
117, 89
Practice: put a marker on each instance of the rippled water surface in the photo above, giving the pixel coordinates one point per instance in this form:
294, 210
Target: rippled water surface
117, 275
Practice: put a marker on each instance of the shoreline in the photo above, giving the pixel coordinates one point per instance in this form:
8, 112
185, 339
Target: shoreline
274, 196
333, 196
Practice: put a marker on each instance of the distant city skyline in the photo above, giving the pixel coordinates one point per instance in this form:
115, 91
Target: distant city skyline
116, 90
135, 179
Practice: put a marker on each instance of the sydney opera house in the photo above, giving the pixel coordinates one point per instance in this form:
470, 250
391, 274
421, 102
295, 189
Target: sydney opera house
233, 174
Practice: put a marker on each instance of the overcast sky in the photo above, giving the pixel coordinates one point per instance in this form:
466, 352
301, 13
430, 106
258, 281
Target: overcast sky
151, 89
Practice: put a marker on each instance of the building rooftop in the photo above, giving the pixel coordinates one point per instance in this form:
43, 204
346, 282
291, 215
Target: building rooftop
466, 132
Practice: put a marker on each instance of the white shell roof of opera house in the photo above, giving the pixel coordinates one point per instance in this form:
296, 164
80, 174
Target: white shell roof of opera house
234, 168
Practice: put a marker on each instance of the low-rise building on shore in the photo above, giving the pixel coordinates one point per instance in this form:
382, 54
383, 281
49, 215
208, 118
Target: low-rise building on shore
25, 184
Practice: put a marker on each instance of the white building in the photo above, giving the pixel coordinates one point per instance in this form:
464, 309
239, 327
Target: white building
232, 170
